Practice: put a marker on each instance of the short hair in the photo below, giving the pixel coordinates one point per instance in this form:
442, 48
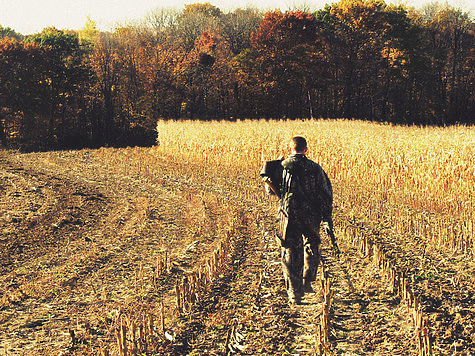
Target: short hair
299, 144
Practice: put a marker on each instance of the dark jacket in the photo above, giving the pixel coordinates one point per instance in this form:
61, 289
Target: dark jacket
307, 194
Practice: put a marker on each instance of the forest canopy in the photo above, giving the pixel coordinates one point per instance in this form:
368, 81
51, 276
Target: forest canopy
352, 59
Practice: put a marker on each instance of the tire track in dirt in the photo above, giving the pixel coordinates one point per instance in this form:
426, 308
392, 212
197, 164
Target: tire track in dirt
448, 304
29, 278
366, 319
47, 204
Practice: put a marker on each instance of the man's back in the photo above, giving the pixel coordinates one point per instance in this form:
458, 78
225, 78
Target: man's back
306, 189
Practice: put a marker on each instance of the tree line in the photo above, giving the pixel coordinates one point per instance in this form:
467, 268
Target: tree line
359, 59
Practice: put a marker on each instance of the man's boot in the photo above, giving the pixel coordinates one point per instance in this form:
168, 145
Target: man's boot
307, 286
294, 298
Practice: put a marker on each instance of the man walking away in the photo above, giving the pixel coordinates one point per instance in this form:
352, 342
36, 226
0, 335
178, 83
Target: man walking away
306, 200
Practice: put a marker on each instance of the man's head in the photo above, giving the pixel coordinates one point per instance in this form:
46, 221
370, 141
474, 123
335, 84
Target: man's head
298, 145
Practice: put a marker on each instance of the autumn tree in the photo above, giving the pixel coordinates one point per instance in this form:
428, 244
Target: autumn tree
66, 75
88, 34
285, 60
355, 31
193, 21
204, 8
105, 63
205, 77
194, 57
145, 84
23, 85
450, 44
161, 22
237, 27
11, 33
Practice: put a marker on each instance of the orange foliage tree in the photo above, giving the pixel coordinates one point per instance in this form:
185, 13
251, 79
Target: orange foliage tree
285, 62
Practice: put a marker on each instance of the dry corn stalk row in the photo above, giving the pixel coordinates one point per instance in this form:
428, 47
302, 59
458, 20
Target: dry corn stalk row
138, 336
398, 284
134, 338
259, 287
188, 291
439, 232
323, 327
161, 266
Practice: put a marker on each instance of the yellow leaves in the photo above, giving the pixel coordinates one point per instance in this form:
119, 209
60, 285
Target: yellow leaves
394, 56
357, 14
202, 8
89, 32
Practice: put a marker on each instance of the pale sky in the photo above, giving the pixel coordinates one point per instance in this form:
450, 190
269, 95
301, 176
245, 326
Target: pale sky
31, 16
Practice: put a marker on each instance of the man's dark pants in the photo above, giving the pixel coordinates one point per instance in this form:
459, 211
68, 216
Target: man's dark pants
300, 254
